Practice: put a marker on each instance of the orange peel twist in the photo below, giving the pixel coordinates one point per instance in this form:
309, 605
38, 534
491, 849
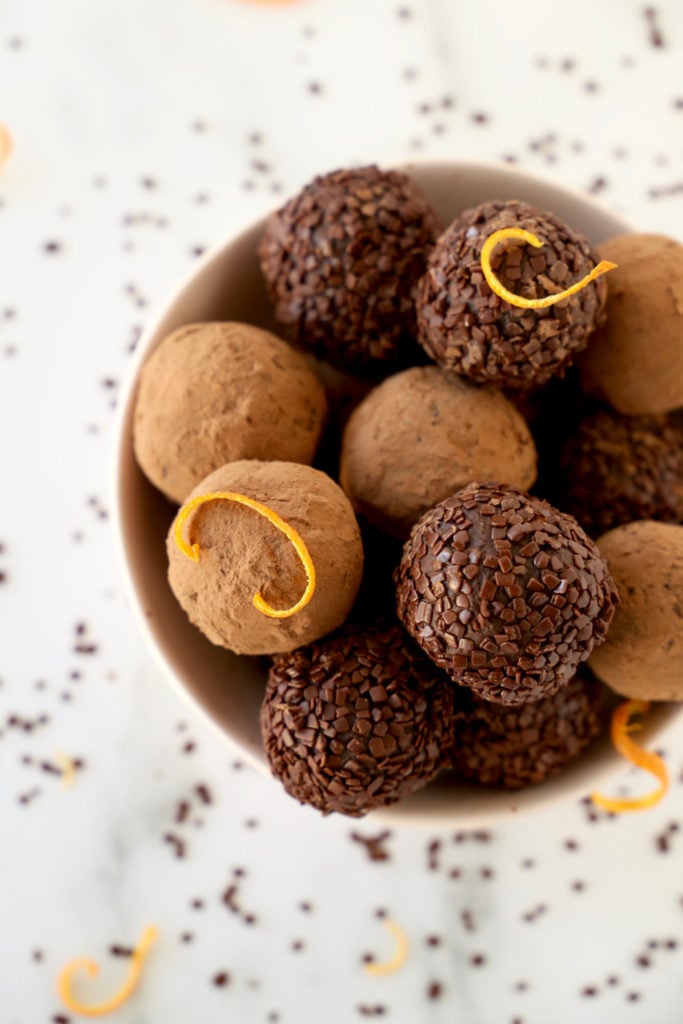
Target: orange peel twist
192, 550
621, 726
402, 948
518, 300
5, 144
84, 963
68, 766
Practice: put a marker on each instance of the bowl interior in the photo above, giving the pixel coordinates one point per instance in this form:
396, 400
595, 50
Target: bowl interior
227, 689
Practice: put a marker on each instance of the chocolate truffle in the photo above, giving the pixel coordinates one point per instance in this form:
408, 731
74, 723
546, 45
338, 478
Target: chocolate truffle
643, 654
242, 554
421, 435
213, 393
635, 362
356, 721
620, 468
341, 262
504, 592
512, 747
470, 330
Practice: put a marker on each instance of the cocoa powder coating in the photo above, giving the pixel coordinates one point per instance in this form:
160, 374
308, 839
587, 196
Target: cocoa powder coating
423, 434
635, 362
504, 592
470, 330
642, 657
242, 553
356, 721
341, 262
621, 468
513, 747
213, 393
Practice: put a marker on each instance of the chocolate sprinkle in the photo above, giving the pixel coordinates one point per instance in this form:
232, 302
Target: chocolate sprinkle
504, 592
513, 747
341, 262
621, 468
470, 330
356, 721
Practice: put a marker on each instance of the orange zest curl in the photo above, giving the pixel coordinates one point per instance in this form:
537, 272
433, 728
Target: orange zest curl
5, 144
68, 766
518, 300
646, 759
400, 953
124, 993
192, 550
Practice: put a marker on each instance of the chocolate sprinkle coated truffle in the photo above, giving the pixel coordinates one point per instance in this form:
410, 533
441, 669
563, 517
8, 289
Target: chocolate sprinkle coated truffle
470, 330
622, 468
356, 721
504, 592
512, 747
341, 262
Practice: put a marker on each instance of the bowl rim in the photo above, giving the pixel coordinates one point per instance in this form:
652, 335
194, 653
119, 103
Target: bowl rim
407, 811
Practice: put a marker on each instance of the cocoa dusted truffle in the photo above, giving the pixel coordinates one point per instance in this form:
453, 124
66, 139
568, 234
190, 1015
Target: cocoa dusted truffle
504, 592
643, 655
243, 553
421, 435
356, 721
212, 393
341, 262
621, 468
636, 362
470, 330
512, 747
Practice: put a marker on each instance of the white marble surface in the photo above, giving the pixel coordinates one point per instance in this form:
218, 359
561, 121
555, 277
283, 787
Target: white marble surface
143, 132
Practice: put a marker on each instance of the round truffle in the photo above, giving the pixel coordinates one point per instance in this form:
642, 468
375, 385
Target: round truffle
468, 329
642, 657
356, 721
504, 592
635, 362
213, 393
421, 435
341, 262
242, 553
621, 468
513, 747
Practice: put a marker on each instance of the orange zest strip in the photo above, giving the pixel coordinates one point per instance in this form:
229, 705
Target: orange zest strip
68, 767
400, 953
192, 550
518, 300
646, 759
5, 143
91, 967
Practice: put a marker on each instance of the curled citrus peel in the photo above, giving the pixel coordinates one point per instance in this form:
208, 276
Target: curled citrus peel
5, 143
518, 300
400, 953
119, 998
646, 759
192, 550
68, 766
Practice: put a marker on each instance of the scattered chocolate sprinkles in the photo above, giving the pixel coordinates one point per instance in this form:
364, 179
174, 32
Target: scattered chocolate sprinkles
374, 845
655, 35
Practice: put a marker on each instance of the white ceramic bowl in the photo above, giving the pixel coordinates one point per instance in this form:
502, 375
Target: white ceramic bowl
225, 689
